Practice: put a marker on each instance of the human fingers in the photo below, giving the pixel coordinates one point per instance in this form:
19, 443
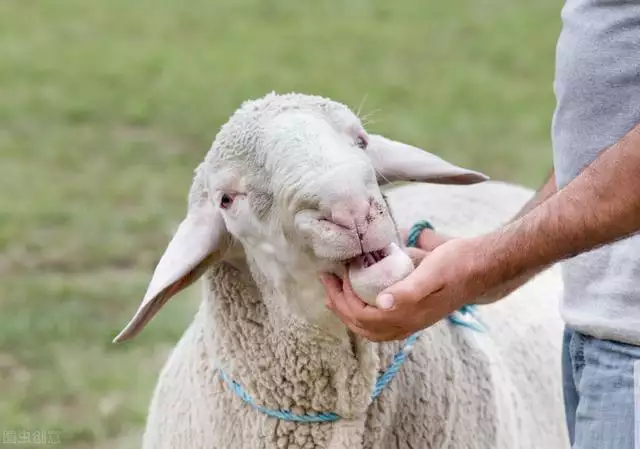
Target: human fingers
429, 239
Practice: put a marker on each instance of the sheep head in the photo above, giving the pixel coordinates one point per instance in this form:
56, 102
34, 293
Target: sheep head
294, 181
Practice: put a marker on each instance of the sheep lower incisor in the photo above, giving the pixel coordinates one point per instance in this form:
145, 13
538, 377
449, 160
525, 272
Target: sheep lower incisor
291, 188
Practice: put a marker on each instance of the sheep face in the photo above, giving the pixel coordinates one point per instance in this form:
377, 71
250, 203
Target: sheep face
305, 196
294, 180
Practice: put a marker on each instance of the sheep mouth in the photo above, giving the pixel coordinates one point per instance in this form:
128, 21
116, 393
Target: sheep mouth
366, 260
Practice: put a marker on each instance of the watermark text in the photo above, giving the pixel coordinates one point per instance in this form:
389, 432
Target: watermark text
21, 436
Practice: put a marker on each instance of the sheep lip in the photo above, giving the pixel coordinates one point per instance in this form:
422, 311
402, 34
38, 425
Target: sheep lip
370, 258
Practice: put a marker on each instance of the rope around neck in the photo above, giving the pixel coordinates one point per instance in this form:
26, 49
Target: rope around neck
459, 318
286, 415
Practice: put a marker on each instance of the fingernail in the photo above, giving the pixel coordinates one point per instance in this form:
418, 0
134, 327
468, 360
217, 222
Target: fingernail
385, 301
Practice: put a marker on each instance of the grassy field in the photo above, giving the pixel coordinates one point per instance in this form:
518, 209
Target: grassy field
107, 107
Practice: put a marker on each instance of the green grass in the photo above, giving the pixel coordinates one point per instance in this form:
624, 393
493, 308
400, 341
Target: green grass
107, 107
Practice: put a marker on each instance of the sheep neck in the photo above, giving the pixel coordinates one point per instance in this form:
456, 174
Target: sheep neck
284, 360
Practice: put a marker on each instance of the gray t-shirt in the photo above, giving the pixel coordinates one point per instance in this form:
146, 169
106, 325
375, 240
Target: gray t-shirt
597, 88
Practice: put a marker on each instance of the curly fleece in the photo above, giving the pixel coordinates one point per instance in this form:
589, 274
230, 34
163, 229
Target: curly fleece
457, 390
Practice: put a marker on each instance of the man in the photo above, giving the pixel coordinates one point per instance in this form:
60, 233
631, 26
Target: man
587, 215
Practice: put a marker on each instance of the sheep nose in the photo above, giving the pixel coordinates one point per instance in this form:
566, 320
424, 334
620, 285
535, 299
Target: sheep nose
352, 214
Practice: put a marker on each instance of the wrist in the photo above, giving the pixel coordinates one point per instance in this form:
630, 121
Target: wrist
485, 270
495, 261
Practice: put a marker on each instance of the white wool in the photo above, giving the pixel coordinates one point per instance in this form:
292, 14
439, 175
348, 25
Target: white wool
290, 162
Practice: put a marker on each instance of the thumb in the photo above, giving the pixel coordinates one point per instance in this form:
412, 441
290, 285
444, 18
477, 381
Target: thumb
414, 287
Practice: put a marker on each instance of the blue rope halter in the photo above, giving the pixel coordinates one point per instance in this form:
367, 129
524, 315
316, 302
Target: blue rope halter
459, 318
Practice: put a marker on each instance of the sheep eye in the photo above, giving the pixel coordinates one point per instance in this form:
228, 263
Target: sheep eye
226, 201
361, 143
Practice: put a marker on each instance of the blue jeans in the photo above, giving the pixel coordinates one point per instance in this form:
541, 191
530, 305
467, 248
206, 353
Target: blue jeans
598, 378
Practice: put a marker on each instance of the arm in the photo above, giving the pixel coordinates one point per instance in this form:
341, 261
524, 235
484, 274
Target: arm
543, 193
429, 240
547, 190
600, 206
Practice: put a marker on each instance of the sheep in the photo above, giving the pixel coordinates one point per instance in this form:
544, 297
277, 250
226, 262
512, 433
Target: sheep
292, 187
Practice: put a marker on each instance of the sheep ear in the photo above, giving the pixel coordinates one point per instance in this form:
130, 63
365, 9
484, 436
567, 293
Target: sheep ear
199, 241
396, 161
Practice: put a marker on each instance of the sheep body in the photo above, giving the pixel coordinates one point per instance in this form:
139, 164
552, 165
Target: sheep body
524, 331
458, 389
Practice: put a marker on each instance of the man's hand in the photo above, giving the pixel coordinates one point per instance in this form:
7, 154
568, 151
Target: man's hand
453, 274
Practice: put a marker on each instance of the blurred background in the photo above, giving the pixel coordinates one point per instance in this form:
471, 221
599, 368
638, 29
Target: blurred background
107, 107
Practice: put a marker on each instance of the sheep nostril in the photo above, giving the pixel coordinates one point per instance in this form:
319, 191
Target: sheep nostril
342, 217
352, 214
